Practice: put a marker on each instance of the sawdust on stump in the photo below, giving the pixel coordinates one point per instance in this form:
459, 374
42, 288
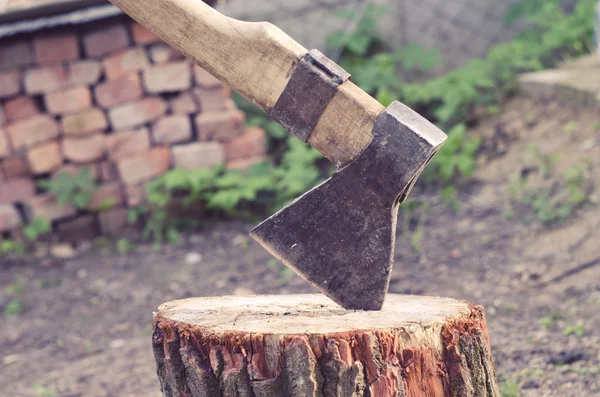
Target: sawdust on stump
306, 345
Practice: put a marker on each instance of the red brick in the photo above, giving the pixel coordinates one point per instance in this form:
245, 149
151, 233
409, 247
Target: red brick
45, 79
113, 221
141, 35
105, 40
126, 88
184, 103
133, 114
16, 190
9, 218
172, 129
222, 126
145, 166
127, 143
244, 164
89, 121
10, 83
251, 143
5, 147
132, 60
69, 101
56, 47
15, 53
86, 149
170, 77
84, 72
205, 79
34, 130
45, 157
76, 230
135, 195
75, 169
46, 207
198, 155
162, 53
20, 108
15, 166
107, 196
216, 100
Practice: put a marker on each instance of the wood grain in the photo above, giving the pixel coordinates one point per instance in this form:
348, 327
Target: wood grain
257, 59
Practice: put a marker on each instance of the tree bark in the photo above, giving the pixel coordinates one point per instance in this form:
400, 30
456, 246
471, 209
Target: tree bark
306, 346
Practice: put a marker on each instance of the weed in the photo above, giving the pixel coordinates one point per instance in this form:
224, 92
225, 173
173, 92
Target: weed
448, 195
42, 391
15, 289
71, 189
530, 118
456, 158
124, 246
47, 283
36, 228
578, 330
551, 197
585, 370
509, 388
414, 216
285, 273
10, 246
550, 321
545, 322
571, 127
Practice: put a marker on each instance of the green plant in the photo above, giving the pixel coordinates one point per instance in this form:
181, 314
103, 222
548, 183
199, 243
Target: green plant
124, 246
571, 127
42, 391
15, 306
10, 246
509, 388
451, 99
550, 321
448, 195
456, 158
414, 215
285, 273
36, 228
71, 189
539, 189
577, 330
374, 68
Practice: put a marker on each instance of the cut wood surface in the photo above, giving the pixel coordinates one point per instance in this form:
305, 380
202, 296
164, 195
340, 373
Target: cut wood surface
257, 60
306, 345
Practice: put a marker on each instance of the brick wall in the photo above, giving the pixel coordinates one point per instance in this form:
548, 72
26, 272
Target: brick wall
111, 98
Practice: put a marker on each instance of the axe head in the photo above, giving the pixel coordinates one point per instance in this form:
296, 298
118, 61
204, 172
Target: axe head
340, 235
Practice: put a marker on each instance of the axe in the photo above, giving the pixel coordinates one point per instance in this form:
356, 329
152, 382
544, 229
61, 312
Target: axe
340, 235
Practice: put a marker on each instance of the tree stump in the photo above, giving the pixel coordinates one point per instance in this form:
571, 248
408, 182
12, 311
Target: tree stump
306, 345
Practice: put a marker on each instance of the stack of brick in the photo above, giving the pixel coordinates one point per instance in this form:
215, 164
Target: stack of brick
115, 100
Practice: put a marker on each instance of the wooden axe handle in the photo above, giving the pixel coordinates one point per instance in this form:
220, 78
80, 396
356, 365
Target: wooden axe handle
257, 60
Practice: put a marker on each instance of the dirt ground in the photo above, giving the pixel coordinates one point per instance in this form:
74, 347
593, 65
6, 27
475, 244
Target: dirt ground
85, 326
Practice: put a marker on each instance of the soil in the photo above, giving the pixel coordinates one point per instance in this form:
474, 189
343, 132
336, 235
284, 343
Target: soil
86, 322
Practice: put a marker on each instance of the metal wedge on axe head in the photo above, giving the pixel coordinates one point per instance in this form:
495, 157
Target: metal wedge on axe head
340, 235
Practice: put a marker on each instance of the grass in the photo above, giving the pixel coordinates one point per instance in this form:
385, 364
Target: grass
15, 289
509, 388
578, 330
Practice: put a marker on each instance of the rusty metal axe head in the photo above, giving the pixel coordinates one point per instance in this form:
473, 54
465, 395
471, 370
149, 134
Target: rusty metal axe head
340, 235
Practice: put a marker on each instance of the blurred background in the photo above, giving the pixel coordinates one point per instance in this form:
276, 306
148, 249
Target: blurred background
130, 177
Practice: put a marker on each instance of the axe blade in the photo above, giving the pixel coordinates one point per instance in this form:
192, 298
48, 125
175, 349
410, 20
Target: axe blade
340, 235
